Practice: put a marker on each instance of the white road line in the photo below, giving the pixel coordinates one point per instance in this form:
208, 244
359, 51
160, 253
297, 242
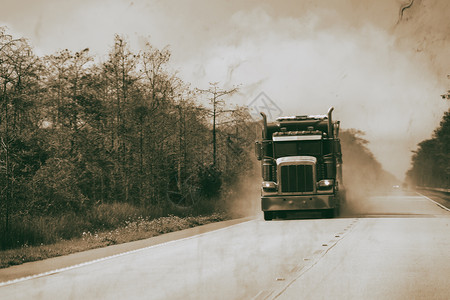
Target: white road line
111, 257
312, 261
438, 204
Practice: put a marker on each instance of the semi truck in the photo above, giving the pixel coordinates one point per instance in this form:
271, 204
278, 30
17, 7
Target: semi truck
301, 163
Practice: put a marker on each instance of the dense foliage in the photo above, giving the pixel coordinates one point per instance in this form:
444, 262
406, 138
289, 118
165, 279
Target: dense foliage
431, 160
76, 133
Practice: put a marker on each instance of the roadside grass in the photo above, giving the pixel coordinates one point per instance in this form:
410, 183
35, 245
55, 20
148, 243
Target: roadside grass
46, 237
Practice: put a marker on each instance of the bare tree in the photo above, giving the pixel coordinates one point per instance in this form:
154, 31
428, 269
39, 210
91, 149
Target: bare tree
215, 93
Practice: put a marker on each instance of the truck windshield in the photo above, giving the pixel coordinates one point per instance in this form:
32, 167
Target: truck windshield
297, 148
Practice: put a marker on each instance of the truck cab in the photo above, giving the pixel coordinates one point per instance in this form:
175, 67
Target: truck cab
301, 164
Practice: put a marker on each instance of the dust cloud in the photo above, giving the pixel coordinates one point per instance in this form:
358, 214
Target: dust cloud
244, 198
363, 175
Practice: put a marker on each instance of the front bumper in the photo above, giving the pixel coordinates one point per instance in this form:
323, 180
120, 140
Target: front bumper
304, 202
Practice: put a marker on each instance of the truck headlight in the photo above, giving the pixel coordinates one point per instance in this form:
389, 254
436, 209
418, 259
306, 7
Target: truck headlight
325, 184
269, 185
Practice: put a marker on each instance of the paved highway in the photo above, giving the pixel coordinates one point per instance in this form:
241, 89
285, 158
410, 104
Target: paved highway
394, 246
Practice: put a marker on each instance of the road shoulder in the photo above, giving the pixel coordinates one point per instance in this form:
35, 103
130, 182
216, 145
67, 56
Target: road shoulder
61, 262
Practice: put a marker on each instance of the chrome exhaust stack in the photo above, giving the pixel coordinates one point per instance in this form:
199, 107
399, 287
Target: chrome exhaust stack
330, 123
265, 125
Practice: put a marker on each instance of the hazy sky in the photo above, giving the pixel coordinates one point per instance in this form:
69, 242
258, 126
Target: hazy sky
384, 75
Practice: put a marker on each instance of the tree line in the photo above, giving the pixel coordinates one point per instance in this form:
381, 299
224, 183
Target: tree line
76, 133
430, 163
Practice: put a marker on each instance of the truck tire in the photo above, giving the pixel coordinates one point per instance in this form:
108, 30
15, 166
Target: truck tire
268, 215
337, 212
330, 213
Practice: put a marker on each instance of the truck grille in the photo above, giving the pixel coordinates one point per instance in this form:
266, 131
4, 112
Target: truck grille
297, 178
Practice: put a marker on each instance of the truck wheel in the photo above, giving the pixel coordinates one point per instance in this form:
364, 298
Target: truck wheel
337, 211
329, 213
268, 215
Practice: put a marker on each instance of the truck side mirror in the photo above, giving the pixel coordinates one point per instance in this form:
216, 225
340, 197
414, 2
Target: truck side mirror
258, 150
337, 146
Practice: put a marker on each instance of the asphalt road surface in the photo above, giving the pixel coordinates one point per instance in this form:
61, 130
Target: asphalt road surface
394, 246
